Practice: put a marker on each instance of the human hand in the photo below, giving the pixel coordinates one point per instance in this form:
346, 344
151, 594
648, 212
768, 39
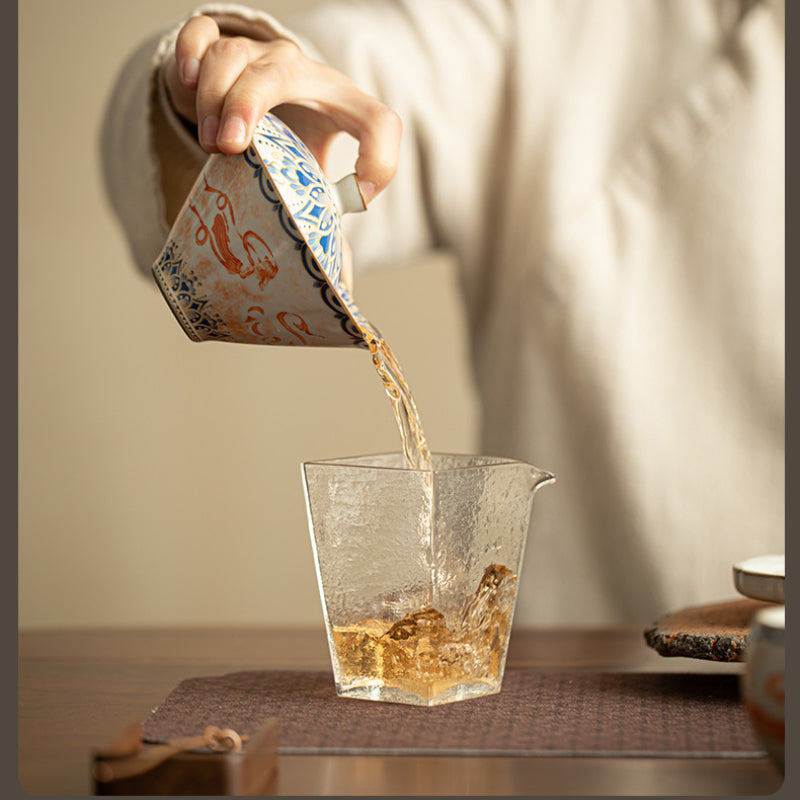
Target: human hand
225, 84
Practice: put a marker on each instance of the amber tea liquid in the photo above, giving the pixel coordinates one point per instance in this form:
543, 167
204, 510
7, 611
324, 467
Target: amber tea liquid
425, 655
415, 446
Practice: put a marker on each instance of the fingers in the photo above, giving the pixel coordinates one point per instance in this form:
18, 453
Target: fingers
181, 74
378, 151
225, 84
378, 131
194, 39
344, 107
376, 127
221, 68
270, 75
208, 65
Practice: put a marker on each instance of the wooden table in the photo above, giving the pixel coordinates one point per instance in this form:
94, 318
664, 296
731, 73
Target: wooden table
78, 688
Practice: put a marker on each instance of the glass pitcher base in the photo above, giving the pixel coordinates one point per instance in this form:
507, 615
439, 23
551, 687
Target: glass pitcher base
427, 695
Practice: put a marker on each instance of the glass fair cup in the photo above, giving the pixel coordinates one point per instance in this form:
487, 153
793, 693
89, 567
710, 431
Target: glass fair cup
418, 571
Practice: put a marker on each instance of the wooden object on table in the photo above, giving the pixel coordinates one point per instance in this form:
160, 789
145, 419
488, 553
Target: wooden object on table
129, 766
716, 632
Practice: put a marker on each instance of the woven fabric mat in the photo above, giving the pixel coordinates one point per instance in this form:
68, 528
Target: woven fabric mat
536, 713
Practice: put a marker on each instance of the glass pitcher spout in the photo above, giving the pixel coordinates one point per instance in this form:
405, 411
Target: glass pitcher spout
540, 478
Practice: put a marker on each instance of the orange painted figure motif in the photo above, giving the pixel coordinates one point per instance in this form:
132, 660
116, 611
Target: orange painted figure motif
255, 316
259, 256
292, 322
296, 325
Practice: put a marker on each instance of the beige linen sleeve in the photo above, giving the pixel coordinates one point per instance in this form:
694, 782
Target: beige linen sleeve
446, 67
441, 66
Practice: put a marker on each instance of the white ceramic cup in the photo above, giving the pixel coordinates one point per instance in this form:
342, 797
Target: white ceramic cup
763, 681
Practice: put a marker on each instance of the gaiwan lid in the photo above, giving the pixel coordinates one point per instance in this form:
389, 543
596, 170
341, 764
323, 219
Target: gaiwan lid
307, 203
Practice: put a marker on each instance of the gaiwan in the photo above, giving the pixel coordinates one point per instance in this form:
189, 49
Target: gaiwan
255, 254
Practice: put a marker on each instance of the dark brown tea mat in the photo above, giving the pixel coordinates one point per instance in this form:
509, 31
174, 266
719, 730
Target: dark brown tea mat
536, 713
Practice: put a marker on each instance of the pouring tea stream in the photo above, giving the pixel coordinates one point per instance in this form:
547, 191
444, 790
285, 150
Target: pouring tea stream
255, 257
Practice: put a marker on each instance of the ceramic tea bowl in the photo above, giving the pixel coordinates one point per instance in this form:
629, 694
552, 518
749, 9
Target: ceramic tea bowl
255, 254
764, 679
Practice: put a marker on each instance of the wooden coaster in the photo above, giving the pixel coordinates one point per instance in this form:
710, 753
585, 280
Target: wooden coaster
130, 766
716, 632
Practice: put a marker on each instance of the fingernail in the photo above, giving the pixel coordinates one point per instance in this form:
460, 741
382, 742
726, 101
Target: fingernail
233, 131
191, 71
208, 131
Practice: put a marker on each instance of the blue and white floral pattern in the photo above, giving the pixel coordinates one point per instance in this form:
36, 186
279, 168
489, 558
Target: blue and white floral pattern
299, 194
307, 195
177, 279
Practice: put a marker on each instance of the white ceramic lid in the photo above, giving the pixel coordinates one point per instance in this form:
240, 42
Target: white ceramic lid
761, 577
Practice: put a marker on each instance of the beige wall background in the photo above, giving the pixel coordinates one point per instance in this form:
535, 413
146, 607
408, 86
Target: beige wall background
159, 479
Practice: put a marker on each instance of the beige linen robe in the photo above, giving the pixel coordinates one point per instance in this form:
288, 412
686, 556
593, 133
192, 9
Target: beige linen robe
609, 175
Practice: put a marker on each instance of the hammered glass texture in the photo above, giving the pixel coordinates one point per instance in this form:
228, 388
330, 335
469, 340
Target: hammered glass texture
390, 540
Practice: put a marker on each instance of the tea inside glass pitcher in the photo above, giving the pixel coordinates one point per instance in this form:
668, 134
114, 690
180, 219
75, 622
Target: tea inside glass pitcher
426, 655
418, 570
